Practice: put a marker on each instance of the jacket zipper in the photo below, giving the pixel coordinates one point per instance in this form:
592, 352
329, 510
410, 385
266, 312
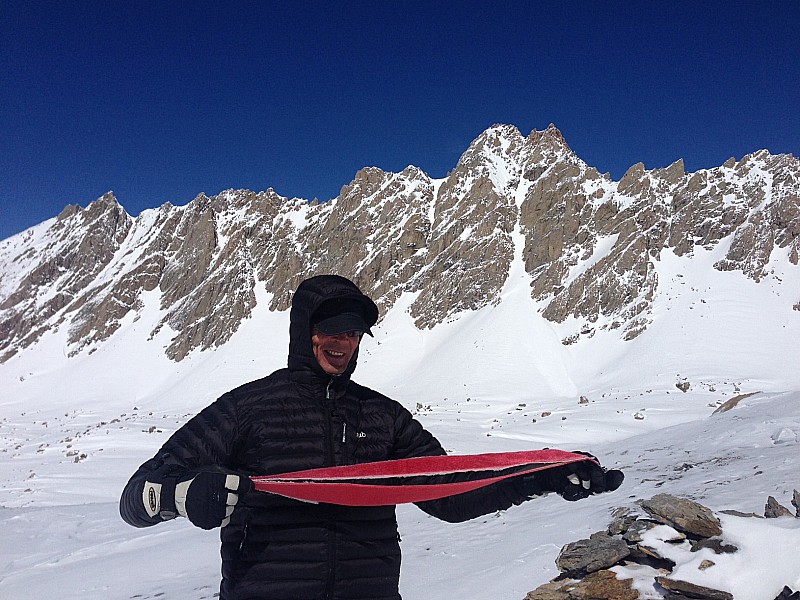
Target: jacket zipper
331, 449
331, 520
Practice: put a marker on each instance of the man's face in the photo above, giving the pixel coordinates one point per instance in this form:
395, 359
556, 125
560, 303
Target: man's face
333, 352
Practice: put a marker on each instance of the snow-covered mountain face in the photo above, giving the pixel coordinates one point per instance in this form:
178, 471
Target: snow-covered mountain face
591, 247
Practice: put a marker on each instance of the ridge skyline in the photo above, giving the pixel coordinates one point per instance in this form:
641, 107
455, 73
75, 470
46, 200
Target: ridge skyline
638, 164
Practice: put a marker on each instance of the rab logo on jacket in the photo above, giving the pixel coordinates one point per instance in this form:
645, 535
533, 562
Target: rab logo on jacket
361, 434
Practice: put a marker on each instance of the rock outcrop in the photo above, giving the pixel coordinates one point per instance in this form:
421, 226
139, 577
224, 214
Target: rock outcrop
587, 566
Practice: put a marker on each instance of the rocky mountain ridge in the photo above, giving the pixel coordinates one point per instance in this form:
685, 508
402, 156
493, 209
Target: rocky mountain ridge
588, 244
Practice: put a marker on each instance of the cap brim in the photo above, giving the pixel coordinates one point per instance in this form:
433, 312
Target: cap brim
343, 323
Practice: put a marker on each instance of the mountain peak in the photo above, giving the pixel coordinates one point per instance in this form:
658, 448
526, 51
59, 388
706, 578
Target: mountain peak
551, 137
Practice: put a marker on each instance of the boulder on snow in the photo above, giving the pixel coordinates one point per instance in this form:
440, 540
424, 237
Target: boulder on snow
633, 534
586, 556
683, 514
774, 509
600, 584
739, 513
731, 403
683, 589
788, 594
623, 517
714, 544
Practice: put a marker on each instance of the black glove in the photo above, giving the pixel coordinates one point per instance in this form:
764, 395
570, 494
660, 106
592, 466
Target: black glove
573, 481
207, 497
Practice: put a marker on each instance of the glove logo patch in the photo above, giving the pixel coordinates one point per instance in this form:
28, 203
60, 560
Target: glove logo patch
151, 498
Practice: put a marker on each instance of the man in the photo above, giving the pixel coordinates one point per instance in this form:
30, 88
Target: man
306, 416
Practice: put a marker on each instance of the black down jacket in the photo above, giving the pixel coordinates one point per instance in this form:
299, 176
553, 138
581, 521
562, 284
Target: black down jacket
302, 418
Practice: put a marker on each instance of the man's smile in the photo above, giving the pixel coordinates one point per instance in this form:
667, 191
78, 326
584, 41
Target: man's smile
334, 352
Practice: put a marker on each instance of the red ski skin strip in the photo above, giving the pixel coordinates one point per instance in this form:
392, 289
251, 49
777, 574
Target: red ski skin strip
323, 485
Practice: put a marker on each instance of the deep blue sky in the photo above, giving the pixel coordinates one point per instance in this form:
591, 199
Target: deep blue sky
159, 101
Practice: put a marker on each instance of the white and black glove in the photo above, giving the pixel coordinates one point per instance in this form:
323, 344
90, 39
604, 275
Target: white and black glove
207, 497
573, 481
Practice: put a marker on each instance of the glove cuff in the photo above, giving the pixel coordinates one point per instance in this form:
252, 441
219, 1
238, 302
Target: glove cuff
181, 492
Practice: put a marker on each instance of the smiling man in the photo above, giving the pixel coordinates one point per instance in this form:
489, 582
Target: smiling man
307, 416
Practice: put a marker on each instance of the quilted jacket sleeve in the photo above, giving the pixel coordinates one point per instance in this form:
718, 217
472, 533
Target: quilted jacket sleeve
413, 440
207, 440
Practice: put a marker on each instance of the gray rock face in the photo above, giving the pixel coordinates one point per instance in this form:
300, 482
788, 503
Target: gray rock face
588, 243
586, 556
775, 509
788, 594
600, 584
683, 589
684, 515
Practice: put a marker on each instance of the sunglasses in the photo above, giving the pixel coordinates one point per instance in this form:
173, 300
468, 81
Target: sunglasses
349, 334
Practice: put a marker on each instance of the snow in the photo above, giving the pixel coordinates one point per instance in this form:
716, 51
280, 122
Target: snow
36, 237
72, 430
297, 215
602, 248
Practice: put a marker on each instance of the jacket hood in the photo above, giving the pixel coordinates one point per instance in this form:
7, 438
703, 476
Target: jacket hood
308, 297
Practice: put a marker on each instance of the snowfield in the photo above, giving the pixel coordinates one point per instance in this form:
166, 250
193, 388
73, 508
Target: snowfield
72, 430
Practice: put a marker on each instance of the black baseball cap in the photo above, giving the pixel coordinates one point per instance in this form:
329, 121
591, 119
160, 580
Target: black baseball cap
340, 315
